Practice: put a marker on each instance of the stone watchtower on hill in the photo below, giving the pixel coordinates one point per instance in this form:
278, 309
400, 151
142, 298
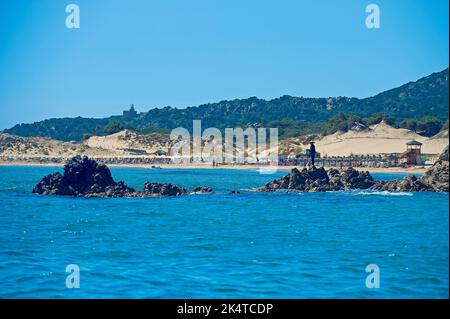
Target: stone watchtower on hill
131, 113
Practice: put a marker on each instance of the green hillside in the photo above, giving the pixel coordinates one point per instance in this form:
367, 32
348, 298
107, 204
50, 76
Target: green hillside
423, 101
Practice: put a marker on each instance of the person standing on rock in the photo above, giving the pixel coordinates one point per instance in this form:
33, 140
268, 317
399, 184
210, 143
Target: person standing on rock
312, 153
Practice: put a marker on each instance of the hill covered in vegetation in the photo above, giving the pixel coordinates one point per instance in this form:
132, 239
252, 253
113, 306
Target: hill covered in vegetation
421, 106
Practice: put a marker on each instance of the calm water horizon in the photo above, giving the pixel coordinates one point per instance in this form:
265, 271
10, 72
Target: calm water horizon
250, 245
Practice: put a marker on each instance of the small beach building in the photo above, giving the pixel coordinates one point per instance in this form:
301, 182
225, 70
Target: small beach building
412, 155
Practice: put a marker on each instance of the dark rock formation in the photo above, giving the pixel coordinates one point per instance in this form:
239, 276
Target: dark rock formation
410, 183
319, 180
81, 176
120, 190
152, 189
353, 179
86, 178
52, 185
435, 179
444, 155
202, 190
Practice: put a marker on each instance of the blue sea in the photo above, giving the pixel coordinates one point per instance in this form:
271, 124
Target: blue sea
251, 245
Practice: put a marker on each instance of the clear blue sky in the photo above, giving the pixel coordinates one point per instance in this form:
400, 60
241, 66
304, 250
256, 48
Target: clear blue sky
183, 53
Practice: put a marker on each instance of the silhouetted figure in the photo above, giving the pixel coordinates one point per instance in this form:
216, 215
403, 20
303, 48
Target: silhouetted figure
312, 153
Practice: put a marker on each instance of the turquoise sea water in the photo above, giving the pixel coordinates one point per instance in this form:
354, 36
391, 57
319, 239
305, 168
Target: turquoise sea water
252, 245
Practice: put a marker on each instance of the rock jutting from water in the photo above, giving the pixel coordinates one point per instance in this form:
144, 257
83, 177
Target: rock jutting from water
435, 179
202, 190
164, 189
320, 180
84, 177
315, 179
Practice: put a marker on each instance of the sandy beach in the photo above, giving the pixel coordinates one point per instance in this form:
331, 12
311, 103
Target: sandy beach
125, 149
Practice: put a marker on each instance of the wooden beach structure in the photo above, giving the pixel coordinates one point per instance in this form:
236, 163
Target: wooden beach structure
412, 155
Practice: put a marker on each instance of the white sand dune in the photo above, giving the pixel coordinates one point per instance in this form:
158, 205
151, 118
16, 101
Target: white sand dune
126, 142
17, 146
377, 139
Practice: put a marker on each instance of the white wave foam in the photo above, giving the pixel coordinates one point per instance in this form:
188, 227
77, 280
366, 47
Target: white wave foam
382, 193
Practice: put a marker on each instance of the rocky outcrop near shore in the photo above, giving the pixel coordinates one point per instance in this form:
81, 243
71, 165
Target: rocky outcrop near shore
410, 183
319, 180
435, 179
315, 179
202, 190
84, 177
163, 189
81, 176
437, 176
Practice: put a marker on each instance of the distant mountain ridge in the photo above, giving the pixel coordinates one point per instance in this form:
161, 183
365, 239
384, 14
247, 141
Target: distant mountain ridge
426, 96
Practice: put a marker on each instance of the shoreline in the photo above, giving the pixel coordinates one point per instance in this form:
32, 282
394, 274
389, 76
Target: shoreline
412, 170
